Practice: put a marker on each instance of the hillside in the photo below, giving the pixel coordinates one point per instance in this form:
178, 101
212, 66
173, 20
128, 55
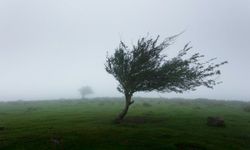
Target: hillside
150, 124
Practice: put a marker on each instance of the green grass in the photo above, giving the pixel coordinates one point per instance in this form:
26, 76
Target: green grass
88, 125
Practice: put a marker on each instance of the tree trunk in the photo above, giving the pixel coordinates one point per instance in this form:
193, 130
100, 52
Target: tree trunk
128, 102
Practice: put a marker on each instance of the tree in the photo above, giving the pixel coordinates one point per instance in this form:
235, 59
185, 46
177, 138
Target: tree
145, 68
85, 90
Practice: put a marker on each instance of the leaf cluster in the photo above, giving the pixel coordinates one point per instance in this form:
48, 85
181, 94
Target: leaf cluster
145, 68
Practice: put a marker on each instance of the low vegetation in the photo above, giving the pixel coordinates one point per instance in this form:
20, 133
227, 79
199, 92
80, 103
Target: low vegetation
157, 124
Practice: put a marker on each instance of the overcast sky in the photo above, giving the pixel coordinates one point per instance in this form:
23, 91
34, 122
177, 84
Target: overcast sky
50, 48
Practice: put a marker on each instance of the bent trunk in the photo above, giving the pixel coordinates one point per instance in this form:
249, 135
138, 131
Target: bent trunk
128, 102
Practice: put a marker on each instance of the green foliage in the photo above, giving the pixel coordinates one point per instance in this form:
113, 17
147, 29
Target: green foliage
145, 68
85, 90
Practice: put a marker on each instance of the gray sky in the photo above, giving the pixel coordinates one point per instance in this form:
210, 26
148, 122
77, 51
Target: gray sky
50, 48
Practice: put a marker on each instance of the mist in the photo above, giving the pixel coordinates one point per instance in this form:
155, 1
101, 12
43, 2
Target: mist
49, 49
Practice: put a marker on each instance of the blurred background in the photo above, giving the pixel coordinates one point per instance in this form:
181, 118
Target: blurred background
51, 48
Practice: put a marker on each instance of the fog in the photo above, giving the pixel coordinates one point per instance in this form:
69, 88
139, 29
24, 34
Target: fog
51, 48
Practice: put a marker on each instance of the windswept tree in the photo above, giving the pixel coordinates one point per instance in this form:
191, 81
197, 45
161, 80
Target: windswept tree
145, 68
85, 90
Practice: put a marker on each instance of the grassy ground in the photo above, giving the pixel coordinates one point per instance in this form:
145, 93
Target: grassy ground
150, 124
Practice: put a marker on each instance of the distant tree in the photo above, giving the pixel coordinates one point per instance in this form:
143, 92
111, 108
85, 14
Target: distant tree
145, 68
85, 90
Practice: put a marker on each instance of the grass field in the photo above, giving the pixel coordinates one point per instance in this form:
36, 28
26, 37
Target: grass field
150, 124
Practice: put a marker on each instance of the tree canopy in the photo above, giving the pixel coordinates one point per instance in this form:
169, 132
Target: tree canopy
85, 90
144, 67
